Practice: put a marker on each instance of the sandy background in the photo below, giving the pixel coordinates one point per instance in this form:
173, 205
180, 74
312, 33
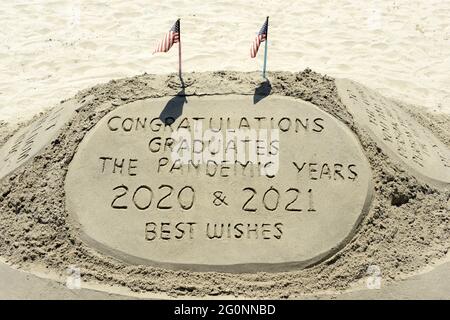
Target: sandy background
49, 50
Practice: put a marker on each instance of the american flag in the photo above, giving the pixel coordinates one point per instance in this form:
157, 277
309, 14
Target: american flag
261, 37
173, 36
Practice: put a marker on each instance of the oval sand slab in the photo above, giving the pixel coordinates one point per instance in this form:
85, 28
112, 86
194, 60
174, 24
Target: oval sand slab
140, 192
27, 142
398, 133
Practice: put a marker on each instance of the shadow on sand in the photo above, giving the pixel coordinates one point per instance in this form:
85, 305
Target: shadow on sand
262, 91
174, 107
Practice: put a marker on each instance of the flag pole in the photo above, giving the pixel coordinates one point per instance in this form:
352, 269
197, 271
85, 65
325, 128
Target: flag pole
265, 50
179, 48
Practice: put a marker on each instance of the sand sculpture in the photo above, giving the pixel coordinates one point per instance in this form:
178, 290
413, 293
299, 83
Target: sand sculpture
343, 179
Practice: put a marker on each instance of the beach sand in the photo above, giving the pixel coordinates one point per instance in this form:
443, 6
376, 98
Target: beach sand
51, 49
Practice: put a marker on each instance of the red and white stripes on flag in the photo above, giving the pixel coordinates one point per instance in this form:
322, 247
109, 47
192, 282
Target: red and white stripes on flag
260, 37
173, 36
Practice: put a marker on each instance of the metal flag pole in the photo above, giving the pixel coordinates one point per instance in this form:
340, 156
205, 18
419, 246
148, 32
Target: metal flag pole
265, 49
179, 48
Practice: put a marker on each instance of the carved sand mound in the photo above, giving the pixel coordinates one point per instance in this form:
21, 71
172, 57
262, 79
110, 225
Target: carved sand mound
334, 180
397, 132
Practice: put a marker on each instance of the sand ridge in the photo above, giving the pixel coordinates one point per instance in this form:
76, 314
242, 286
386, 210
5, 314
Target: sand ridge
406, 229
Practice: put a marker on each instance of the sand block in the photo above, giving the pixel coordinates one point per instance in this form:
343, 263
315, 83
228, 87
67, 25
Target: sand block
288, 192
397, 133
28, 141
